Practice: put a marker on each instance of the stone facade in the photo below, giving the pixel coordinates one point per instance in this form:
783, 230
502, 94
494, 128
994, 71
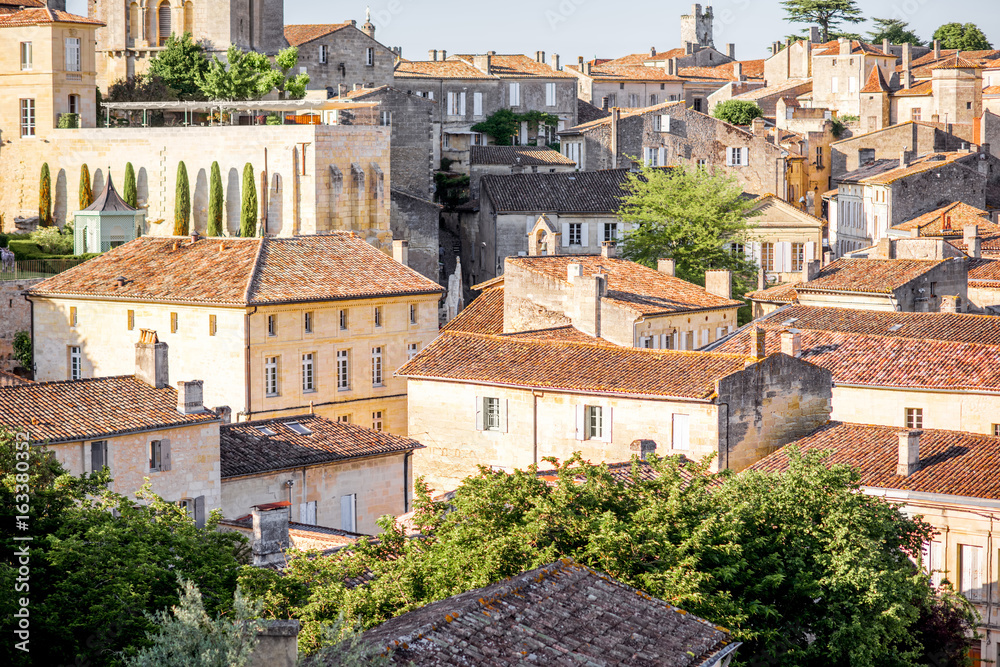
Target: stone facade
784, 239
839, 77
417, 221
15, 317
967, 410
917, 138
344, 59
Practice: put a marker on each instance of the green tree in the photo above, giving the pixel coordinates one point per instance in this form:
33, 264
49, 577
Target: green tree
215, 202
895, 30
188, 636
22, 349
245, 75
290, 87
129, 192
179, 66
45, 197
737, 112
695, 217
967, 37
827, 14
182, 202
86, 192
248, 211
503, 125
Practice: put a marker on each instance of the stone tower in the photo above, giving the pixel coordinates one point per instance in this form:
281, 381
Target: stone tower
696, 27
368, 28
958, 92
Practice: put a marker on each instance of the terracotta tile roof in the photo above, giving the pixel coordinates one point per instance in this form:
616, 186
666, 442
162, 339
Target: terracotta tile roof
484, 315
518, 66
876, 82
991, 90
752, 70
924, 66
832, 48
614, 72
326, 267
984, 272
562, 193
952, 463
42, 16
561, 365
96, 408
949, 219
438, 69
622, 472
566, 333
246, 450
878, 276
518, 155
11, 380
560, 614
779, 294
918, 89
646, 56
631, 285
300, 34
957, 62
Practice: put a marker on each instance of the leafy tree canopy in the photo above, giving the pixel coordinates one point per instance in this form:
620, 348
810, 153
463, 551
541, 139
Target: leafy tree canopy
245, 75
504, 124
801, 566
895, 30
965, 37
827, 14
289, 87
140, 88
737, 112
180, 65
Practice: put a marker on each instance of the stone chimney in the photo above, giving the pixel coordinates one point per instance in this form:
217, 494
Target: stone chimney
973, 244
540, 57
791, 343
950, 304
270, 533
573, 271
731, 50
401, 251
738, 70
191, 397
483, 63
554, 61
909, 453
757, 347
432, 55
907, 61
937, 49
587, 294
757, 127
845, 46
811, 269
58, 5
719, 283
443, 55
609, 249
672, 68
885, 46
586, 70
904, 159
667, 266
225, 413
151, 360
643, 448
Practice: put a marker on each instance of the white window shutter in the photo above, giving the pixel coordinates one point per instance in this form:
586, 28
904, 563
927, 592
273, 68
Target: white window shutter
665, 123
729, 157
461, 104
165, 454
745, 156
581, 417
479, 413
348, 513
304, 512
779, 256
477, 104
662, 157
565, 234
809, 251
602, 230
673, 341
504, 403
584, 227
607, 421
787, 252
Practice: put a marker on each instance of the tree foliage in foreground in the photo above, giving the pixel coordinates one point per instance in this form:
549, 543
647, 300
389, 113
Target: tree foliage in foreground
737, 112
827, 14
244, 75
965, 37
801, 566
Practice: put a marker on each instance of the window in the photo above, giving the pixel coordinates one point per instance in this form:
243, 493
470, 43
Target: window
915, 113
296, 427
834, 84
819, 157
611, 231
377, 418
996, 429
411, 350
914, 417
99, 455
612, 100
27, 57
173, 322
378, 316
701, 164
491, 414
27, 118
163, 23
307, 322
72, 316
970, 564
370, 56
477, 104
264, 430
413, 313
652, 100
272, 326
131, 320
323, 53
212, 325
344, 419
271, 376
72, 54
652, 157
576, 233
680, 437
348, 513
377, 366
697, 104
515, 94
633, 100
74, 103
595, 422
155, 455
447, 140
75, 363
737, 156
550, 94
343, 370
308, 378
798, 255
767, 256
343, 320
452, 104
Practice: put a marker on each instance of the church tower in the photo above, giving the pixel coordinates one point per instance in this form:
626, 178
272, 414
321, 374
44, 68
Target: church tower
696, 27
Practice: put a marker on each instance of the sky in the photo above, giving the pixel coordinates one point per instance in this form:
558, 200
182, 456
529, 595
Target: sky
601, 28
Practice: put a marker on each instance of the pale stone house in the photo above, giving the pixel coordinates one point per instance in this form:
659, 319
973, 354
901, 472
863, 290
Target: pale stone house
914, 137
784, 239
137, 425
508, 401
911, 370
946, 477
332, 473
284, 323
841, 70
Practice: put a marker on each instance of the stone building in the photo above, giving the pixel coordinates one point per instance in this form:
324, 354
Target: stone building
340, 57
841, 70
915, 137
487, 160
508, 401
785, 239
332, 473
15, 316
946, 477
287, 323
137, 425
47, 70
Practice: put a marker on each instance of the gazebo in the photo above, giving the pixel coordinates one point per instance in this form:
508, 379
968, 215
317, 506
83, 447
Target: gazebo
107, 223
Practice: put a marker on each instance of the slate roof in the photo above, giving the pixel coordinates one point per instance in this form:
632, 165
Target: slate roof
74, 410
518, 155
874, 276
240, 272
560, 614
957, 214
587, 112
246, 450
570, 366
110, 200
629, 284
567, 192
916, 166
36, 15
484, 315
296, 35
952, 463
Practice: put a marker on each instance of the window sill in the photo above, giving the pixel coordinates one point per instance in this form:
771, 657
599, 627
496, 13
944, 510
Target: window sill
378, 386
344, 389
272, 395
309, 391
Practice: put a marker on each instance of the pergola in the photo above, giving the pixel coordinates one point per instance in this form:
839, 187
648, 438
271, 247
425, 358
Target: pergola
248, 106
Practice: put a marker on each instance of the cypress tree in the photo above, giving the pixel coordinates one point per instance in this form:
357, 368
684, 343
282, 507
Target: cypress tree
248, 213
45, 197
182, 202
86, 193
215, 202
129, 194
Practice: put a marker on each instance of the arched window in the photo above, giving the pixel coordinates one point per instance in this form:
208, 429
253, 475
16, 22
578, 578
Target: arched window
133, 21
163, 23
189, 17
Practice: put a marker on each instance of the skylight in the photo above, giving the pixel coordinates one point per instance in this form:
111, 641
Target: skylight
298, 428
895, 327
265, 430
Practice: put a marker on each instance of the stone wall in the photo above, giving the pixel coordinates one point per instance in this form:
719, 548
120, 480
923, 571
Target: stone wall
888, 143
958, 411
15, 315
417, 221
347, 49
926, 191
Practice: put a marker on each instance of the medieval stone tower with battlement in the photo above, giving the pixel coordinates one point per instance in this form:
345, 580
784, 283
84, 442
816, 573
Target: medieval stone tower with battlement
696, 27
136, 30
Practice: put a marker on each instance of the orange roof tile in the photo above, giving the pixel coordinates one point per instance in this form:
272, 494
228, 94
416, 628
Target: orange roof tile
832, 48
43, 16
957, 62
917, 166
875, 276
300, 34
952, 218
438, 69
876, 82
518, 66
484, 315
611, 72
984, 272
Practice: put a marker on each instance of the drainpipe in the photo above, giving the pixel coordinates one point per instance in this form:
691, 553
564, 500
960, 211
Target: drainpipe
34, 365
727, 430
246, 363
534, 426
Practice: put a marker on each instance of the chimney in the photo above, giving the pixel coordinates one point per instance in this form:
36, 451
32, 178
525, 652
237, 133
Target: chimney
573, 271
949, 304
579, 62
401, 252
195, 236
652, 52
814, 35
609, 249
151, 360
667, 266
885, 46
907, 60
688, 48
904, 159
270, 533
586, 70
719, 283
443, 55
973, 244
432, 54
554, 60
587, 294
731, 50
757, 338
845, 47
909, 453
191, 397
937, 49
738, 70
757, 127
791, 343
540, 56
483, 63
643, 448
673, 69
225, 413
810, 269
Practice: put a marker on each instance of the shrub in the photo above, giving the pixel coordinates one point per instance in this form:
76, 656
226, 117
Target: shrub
737, 112
22, 349
45, 197
68, 121
248, 212
215, 202
51, 241
129, 191
274, 120
182, 202
86, 192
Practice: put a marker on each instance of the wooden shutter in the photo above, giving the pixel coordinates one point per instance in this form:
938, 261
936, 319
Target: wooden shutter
565, 234
680, 435
581, 419
602, 230
348, 513
479, 413
662, 157
664, 123
584, 241
477, 104
96, 456
729, 157
786, 251
745, 157
303, 512
606, 422
809, 252
461, 104
503, 414
165, 454
199, 512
